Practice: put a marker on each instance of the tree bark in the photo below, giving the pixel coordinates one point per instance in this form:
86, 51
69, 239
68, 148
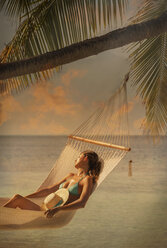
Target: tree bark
84, 49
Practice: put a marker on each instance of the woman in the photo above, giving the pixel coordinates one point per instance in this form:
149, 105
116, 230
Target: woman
80, 186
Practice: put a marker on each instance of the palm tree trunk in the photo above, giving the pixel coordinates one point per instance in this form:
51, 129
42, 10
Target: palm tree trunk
84, 49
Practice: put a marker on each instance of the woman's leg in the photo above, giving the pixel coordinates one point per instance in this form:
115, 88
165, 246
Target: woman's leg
21, 202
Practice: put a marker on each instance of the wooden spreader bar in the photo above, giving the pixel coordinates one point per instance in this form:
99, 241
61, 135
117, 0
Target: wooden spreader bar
100, 143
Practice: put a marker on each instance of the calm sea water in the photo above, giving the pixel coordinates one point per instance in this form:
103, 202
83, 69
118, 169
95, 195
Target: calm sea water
124, 212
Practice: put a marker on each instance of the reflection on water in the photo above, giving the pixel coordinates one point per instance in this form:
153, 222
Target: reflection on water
124, 212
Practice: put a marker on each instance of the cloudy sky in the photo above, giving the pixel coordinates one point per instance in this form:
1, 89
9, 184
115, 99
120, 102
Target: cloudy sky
60, 105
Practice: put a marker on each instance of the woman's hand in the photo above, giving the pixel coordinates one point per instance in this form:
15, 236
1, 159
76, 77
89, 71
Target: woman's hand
51, 212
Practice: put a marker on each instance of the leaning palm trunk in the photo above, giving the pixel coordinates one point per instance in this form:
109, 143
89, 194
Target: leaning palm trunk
114, 39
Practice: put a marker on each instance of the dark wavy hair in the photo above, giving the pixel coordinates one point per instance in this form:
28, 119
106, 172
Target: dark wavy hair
94, 164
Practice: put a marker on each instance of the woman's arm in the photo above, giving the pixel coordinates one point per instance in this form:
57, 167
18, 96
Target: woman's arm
42, 192
49, 190
79, 203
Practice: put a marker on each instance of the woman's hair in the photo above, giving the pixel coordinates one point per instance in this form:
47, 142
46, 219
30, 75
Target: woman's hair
94, 164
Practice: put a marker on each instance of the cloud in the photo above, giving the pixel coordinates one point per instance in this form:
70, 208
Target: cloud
97, 104
40, 127
138, 123
70, 75
8, 107
44, 108
47, 98
49, 105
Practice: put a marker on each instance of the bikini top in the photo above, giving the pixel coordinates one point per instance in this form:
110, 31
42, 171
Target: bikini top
73, 189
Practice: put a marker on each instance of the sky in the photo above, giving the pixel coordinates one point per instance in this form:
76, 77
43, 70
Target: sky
58, 106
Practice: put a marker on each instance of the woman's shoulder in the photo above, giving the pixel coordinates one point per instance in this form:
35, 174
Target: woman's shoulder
70, 175
88, 179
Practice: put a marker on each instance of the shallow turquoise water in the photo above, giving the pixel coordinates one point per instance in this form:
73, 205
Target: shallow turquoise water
124, 212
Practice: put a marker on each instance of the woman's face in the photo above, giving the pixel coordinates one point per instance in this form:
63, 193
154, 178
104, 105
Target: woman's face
81, 162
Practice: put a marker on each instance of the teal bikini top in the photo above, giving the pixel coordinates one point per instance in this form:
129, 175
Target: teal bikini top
73, 189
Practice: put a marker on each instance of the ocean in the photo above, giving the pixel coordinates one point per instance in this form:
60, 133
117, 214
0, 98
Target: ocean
124, 212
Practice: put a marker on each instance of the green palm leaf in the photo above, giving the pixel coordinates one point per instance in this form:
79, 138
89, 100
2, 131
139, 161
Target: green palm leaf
55, 24
149, 72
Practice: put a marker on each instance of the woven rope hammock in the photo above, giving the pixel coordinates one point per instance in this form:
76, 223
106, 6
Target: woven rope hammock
106, 133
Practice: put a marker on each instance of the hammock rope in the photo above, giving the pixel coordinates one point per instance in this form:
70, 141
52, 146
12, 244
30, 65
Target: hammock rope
105, 132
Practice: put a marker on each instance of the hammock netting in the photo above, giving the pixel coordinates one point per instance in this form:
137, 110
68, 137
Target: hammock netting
106, 133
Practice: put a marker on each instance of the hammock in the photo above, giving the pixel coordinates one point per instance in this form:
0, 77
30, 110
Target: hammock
106, 133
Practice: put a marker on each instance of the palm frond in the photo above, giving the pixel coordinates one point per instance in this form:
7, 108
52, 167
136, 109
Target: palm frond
149, 72
17, 8
55, 24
